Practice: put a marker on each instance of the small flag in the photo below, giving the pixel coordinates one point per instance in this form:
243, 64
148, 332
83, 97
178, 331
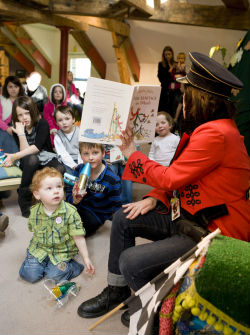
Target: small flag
143, 305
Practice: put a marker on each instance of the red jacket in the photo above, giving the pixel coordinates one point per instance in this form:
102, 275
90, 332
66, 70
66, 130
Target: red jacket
212, 169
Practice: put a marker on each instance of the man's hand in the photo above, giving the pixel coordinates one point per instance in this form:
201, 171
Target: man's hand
139, 208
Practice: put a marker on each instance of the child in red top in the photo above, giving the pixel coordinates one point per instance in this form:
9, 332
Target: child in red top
57, 96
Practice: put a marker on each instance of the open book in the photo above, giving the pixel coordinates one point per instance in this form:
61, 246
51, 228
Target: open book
110, 106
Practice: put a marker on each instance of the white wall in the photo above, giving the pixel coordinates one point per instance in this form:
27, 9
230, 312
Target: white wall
148, 40
47, 40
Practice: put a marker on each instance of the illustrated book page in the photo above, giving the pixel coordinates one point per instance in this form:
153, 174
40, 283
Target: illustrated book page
110, 106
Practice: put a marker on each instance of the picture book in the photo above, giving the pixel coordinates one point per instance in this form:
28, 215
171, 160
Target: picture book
109, 107
116, 155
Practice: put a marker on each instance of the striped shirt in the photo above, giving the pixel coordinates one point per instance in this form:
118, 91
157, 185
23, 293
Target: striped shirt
103, 197
53, 235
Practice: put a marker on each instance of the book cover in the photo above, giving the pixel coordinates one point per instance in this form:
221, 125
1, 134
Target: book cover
110, 106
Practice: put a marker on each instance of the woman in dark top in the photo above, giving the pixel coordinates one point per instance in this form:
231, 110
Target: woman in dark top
170, 89
33, 138
164, 75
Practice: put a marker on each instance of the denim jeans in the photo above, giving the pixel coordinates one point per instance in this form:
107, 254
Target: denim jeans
32, 271
136, 265
89, 221
7, 142
127, 185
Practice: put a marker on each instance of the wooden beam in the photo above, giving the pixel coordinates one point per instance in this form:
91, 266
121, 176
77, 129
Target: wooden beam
140, 5
26, 41
204, 16
240, 4
132, 59
92, 8
42, 2
106, 24
121, 57
17, 11
91, 52
16, 53
101, 8
157, 4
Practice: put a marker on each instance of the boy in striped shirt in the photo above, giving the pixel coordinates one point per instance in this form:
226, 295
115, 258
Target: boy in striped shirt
103, 196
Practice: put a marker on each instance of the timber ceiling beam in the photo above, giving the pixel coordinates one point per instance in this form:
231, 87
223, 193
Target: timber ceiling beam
25, 40
41, 2
121, 57
13, 51
102, 8
91, 52
106, 24
17, 11
133, 62
140, 5
240, 4
205, 16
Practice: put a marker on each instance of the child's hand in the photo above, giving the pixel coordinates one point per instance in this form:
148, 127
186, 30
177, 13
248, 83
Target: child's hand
8, 160
77, 196
89, 266
19, 129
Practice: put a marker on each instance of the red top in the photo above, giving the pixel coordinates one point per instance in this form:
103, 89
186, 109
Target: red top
211, 169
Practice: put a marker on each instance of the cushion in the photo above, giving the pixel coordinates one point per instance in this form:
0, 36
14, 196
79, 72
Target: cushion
10, 172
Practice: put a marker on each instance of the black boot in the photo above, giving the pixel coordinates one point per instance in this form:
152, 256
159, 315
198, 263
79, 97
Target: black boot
25, 201
110, 297
125, 318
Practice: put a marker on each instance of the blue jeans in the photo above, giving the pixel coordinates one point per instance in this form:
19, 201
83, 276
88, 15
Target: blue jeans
89, 221
127, 185
136, 265
32, 271
7, 142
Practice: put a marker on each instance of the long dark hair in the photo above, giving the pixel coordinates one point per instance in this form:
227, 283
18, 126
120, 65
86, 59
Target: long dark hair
164, 60
14, 80
26, 103
202, 107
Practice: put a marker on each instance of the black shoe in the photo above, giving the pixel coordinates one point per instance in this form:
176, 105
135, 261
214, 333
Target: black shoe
25, 201
110, 297
125, 318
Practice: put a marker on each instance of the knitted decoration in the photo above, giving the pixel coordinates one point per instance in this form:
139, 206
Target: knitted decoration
166, 323
227, 270
214, 297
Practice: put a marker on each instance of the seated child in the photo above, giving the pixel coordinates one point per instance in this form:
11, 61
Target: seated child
66, 139
57, 97
164, 145
58, 233
103, 196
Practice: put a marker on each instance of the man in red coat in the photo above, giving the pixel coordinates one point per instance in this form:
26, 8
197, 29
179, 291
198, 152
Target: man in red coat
207, 185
